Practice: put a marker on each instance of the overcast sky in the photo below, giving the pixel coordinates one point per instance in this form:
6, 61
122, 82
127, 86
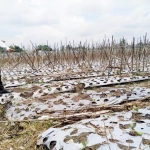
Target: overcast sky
79, 20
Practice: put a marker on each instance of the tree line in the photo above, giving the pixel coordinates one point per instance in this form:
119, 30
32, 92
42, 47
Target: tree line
19, 49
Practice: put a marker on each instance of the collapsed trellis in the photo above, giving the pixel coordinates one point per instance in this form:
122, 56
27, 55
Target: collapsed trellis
107, 56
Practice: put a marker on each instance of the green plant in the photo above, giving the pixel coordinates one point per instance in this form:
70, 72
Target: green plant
61, 83
49, 88
139, 133
143, 73
16, 103
132, 125
106, 116
32, 105
118, 72
78, 81
84, 144
132, 88
136, 108
40, 81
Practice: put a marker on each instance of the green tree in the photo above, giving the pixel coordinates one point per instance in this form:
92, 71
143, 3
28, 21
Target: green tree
1, 50
44, 47
16, 48
122, 42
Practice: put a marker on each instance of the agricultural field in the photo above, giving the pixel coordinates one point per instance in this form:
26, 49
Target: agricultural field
77, 97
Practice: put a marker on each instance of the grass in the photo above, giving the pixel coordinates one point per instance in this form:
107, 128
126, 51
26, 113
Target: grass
21, 135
